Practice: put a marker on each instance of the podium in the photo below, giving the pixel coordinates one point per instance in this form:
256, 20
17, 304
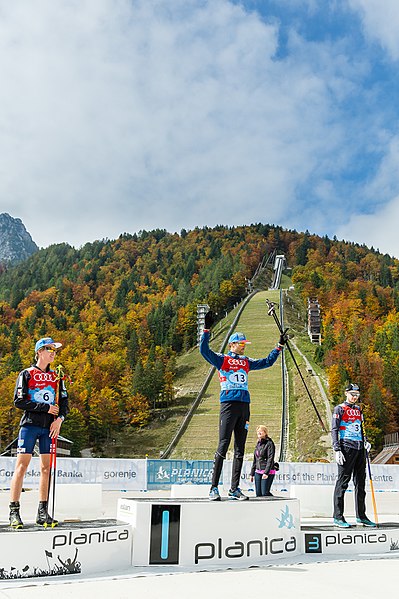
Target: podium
198, 532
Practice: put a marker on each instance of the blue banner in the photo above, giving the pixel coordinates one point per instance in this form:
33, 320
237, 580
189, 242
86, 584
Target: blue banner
163, 473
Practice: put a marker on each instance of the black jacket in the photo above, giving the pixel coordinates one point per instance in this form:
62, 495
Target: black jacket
265, 460
36, 413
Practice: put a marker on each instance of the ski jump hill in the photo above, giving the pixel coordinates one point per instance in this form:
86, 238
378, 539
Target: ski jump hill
200, 433
197, 435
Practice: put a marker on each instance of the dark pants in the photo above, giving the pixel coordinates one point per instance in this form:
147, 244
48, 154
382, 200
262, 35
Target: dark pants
234, 417
262, 485
355, 464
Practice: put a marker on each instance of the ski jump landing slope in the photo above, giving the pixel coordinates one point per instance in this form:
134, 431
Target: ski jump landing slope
200, 438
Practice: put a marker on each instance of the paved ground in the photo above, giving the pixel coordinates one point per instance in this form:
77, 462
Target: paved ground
354, 577
359, 576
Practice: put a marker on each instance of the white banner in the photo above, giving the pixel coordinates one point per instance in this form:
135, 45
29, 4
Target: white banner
385, 477
131, 475
118, 475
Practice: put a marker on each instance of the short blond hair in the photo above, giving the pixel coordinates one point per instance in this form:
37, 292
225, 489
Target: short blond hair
263, 428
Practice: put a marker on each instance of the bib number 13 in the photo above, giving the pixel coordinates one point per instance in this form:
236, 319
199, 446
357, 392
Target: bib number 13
238, 378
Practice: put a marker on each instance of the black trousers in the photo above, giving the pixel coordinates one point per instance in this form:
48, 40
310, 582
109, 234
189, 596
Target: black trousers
234, 417
354, 465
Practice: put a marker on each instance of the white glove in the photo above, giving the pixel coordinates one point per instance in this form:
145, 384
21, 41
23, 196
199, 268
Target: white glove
367, 446
339, 458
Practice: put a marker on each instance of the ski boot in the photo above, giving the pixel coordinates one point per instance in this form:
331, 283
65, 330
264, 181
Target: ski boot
43, 518
15, 518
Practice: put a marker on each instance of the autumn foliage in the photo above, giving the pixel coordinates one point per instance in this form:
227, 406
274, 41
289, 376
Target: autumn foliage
125, 308
358, 291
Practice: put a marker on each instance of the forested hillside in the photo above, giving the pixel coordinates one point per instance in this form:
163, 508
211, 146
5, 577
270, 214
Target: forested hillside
125, 308
358, 291
122, 309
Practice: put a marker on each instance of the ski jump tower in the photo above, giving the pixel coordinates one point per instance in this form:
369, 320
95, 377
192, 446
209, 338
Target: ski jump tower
279, 265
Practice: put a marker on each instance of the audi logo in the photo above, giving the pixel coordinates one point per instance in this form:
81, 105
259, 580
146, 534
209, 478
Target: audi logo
234, 362
352, 412
42, 377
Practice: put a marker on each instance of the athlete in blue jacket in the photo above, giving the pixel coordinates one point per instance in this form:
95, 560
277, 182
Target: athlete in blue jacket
234, 401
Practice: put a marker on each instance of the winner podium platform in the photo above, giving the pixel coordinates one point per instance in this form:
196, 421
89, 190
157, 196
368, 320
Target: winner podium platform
198, 532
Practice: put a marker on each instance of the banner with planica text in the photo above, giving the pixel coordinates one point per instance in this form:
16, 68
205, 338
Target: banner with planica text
142, 475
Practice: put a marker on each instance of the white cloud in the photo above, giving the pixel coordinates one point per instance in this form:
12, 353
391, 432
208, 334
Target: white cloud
118, 115
381, 22
379, 226
378, 229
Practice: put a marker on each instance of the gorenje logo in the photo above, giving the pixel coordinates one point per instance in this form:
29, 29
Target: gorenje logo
256, 547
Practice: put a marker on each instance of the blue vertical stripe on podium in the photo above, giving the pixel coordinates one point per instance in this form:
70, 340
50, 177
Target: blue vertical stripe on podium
164, 534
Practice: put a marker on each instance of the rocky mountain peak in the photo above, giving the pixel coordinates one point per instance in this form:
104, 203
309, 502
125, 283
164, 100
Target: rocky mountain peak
16, 244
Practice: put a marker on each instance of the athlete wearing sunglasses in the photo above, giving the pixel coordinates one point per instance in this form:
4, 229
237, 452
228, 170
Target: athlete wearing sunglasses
35, 394
234, 401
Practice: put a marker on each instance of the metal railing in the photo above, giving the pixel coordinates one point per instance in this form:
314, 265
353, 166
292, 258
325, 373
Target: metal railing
391, 439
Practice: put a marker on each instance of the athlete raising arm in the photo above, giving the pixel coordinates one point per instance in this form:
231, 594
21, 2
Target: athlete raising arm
234, 401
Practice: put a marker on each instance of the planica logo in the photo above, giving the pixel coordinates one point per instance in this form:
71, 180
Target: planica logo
256, 547
356, 539
82, 538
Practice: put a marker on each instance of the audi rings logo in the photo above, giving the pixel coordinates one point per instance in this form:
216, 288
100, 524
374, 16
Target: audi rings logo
43, 377
352, 412
233, 362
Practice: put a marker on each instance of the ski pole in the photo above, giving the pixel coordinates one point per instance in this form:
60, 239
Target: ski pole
371, 479
52, 475
372, 489
272, 312
53, 449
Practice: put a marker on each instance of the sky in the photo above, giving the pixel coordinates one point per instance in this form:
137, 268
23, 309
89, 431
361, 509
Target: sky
123, 115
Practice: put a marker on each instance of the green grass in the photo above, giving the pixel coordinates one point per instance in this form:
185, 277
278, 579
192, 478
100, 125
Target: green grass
306, 439
151, 440
307, 442
200, 439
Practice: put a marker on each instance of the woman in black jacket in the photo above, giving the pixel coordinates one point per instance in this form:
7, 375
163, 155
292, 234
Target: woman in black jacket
263, 468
